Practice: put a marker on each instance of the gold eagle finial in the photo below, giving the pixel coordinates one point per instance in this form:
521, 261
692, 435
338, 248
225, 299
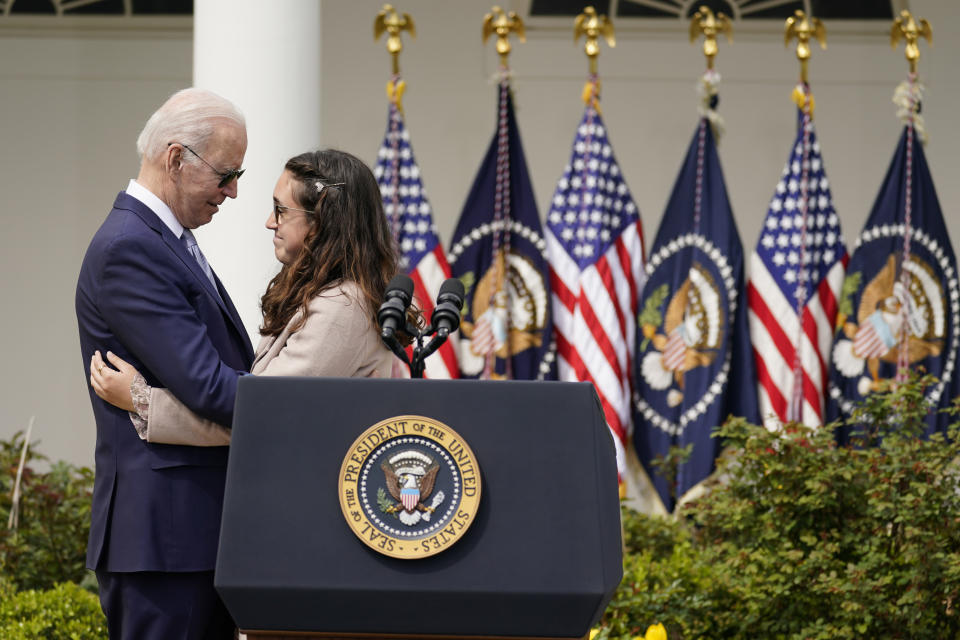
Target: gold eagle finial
911, 30
803, 28
392, 23
593, 26
503, 24
710, 25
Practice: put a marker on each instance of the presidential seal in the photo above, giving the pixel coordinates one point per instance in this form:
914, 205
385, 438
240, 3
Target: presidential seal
409, 487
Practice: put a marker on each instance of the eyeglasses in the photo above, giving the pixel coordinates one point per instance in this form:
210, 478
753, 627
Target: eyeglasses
279, 210
226, 177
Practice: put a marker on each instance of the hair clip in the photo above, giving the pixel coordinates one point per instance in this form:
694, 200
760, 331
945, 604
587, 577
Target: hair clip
322, 185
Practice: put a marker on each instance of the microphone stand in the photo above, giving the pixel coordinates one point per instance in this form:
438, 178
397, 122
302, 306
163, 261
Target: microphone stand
417, 364
420, 352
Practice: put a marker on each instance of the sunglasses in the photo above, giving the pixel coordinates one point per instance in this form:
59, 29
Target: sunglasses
225, 177
280, 211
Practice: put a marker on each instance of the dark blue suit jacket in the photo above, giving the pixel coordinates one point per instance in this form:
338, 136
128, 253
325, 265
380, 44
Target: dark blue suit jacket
142, 296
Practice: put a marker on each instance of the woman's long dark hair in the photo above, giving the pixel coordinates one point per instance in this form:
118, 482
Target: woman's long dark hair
348, 240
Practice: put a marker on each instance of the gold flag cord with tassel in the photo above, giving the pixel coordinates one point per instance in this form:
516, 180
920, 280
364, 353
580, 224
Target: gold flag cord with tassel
907, 97
503, 24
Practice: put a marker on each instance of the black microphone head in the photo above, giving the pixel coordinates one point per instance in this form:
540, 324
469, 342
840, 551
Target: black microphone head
393, 310
402, 285
454, 287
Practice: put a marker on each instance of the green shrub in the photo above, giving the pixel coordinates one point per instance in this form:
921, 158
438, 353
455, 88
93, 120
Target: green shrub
665, 580
49, 544
65, 611
805, 539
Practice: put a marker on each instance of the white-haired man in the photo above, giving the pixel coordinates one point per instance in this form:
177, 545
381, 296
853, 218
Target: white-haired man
147, 294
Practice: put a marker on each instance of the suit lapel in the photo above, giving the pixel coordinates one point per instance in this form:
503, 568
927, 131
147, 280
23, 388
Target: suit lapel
152, 220
227, 304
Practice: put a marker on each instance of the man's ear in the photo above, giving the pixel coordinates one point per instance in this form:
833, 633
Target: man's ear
173, 159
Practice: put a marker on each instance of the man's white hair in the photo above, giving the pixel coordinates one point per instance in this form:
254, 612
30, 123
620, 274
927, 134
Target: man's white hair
189, 117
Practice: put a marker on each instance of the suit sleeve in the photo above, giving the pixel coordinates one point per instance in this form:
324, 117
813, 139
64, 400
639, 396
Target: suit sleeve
146, 301
329, 343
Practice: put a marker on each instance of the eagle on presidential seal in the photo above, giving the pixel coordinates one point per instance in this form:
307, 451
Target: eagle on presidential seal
890, 309
693, 331
410, 476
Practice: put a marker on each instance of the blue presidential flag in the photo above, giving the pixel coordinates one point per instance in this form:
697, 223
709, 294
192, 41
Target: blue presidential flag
499, 253
900, 303
694, 366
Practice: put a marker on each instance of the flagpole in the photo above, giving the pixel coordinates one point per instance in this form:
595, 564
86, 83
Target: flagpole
910, 30
802, 28
502, 24
393, 24
705, 23
592, 27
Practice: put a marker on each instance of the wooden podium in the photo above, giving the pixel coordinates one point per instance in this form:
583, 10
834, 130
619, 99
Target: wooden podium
541, 558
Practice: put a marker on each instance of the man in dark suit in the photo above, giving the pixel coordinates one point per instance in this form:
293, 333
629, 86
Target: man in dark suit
146, 293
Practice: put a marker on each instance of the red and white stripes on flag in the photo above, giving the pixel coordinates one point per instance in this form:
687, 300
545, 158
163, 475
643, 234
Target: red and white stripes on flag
773, 330
594, 315
427, 276
595, 248
675, 351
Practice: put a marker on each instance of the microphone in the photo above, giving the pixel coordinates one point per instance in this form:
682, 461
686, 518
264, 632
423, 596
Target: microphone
393, 312
446, 315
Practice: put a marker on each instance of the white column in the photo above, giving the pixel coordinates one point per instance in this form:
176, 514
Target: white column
265, 57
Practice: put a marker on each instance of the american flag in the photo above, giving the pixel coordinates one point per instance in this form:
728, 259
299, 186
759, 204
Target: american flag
595, 248
410, 217
796, 274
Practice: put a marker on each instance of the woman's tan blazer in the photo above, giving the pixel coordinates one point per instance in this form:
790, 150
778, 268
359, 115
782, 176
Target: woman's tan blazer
338, 338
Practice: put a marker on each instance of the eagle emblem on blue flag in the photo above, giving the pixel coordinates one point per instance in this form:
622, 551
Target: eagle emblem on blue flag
510, 311
887, 313
684, 331
690, 335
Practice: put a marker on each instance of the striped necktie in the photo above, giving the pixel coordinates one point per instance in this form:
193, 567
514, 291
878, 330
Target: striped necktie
190, 242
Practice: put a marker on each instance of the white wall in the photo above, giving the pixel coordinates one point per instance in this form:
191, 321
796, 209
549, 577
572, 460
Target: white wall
72, 101
71, 105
